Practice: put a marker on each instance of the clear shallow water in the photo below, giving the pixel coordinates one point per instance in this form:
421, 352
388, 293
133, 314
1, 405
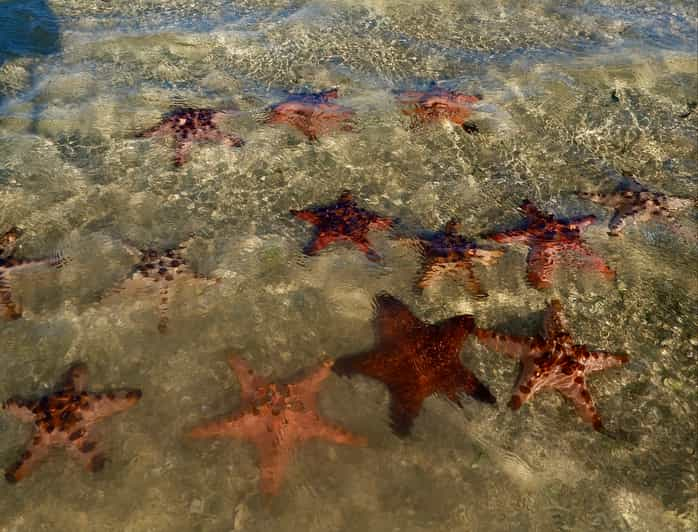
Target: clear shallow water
73, 176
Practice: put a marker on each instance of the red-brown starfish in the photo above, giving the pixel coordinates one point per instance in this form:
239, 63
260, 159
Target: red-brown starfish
439, 104
65, 418
277, 418
549, 237
313, 114
9, 265
161, 270
553, 361
414, 360
342, 220
188, 125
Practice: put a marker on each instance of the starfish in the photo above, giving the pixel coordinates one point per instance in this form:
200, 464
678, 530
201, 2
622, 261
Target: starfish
161, 270
9, 265
277, 418
312, 113
189, 125
631, 199
548, 237
438, 103
414, 360
66, 418
448, 252
552, 360
342, 220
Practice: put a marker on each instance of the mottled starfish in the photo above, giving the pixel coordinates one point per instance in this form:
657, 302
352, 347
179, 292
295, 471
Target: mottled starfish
277, 418
437, 104
447, 252
312, 113
188, 125
414, 360
343, 220
66, 418
553, 361
9, 264
548, 238
161, 270
631, 199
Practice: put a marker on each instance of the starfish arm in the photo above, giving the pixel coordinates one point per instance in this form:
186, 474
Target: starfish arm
273, 462
554, 320
324, 430
364, 246
472, 283
381, 223
487, 257
392, 318
583, 221
541, 264
432, 271
617, 222
676, 204
86, 450
524, 387
509, 237
182, 151
513, 346
374, 364
405, 406
20, 409
249, 381
132, 286
17, 265
608, 200
306, 215
75, 379
163, 305
215, 135
9, 309
310, 385
36, 452
235, 426
594, 262
583, 403
600, 360
159, 130
318, 243
103, 405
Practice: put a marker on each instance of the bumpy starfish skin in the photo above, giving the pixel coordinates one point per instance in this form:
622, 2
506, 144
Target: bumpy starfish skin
447, 252
66, 418
634, 200
9, 265
548, 238
277, 418
188, 125
342, 220
161, 270
439, 104
414, 360
553, 361
313, 114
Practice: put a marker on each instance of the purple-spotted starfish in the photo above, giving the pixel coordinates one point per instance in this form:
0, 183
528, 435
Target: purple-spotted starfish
65, 418
631, 199
437, 104
9, 265
548, 238
188, 125
342, 220
314, 113
277, 418
553, 361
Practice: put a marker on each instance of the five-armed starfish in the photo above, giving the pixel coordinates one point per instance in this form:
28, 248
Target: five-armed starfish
448, 252
9, 264
65, 418
189, 125
414, 360
548, 237
553, 361
343, 220
631, 199
312, 113
277, 418
161, 270
438, 103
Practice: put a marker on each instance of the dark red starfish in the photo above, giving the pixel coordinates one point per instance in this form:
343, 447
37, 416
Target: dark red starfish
277, 418
65, 418
313, 113
553, 361
548, 238
437, 104
415, 360
342, 220
9, 265
188, 125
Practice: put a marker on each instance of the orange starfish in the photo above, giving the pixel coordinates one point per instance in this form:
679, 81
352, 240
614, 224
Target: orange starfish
415, 360
552, 360
277, 418
439, 104
65, 418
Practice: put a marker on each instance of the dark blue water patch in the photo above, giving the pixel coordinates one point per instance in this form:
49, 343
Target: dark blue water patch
27, 28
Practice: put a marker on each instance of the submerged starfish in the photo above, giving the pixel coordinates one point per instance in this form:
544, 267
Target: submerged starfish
161, 270
447, 252
553, 361
9, 265
65, 418
548, 237
631, 199
342, 220
312, 113
438, 103
277, 418
189, 125
414, 360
